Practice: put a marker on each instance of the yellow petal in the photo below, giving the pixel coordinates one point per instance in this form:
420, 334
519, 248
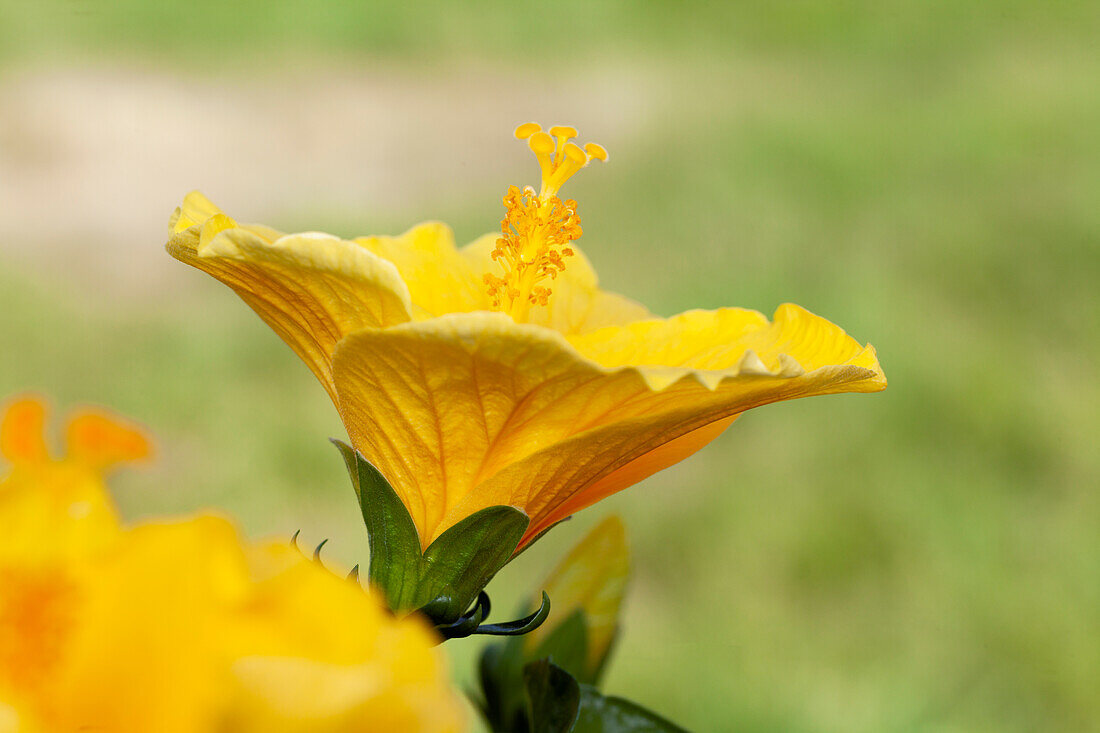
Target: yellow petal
297, 670
64, 502
151, 624
195, 209
12, 722
439, 278
698, 339
473, 410
311, 288
719, 340
296, 694
294, 599
637, 470
39, 604
443, 279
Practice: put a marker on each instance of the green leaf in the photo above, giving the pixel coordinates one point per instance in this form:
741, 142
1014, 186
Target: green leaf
600, 713
395, 560
553, 698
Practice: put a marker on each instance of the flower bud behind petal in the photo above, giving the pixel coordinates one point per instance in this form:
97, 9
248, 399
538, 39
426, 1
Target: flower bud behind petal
587, 588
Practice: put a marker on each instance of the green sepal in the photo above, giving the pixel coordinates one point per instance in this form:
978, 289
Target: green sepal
445, 579
553, 698
466, 557
519, 627
465, 625
395, 558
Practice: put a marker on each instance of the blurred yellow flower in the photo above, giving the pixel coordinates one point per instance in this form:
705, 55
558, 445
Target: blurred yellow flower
179, 625
500, 373
42, 494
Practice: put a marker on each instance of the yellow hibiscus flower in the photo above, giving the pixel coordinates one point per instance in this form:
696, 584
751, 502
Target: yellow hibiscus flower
500, 373
179, 625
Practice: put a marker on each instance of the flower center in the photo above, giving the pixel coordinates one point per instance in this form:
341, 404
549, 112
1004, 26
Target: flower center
537, 227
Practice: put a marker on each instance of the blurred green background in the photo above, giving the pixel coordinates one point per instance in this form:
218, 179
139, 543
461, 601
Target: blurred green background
924, 173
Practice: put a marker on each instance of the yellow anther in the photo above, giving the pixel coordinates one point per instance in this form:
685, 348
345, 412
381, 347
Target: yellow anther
534, 243
540, 142
527, 129
563, 131
575, 154
597, 151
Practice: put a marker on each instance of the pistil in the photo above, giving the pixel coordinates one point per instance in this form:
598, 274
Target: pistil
538, 227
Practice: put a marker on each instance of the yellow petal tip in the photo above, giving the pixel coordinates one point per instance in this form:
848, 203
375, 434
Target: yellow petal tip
195, 209
213, 227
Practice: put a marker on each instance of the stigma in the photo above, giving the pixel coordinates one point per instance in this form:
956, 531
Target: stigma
538, 227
